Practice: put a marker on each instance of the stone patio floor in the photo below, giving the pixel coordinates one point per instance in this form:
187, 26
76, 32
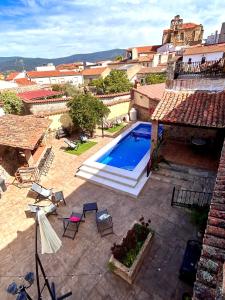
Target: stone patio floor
81, 264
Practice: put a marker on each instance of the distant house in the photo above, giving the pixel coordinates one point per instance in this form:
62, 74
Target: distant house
76, 66
203, 53
94, 73
142, 53
47, 103
5, 85
145, 99
119, 105
141, 75
55, 77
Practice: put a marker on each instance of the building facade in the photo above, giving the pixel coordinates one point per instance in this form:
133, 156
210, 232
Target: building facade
181, 34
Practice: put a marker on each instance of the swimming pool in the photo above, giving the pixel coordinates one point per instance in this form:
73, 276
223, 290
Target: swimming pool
121, 164
130, 150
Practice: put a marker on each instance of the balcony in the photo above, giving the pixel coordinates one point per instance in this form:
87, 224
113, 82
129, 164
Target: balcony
214, 68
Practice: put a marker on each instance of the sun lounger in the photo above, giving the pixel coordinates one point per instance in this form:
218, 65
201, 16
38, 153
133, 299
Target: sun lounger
71, 145
41, 191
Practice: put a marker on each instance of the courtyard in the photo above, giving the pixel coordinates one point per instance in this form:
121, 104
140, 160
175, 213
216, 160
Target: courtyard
81, 264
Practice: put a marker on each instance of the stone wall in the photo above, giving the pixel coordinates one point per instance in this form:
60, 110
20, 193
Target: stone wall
185, 133
45, 108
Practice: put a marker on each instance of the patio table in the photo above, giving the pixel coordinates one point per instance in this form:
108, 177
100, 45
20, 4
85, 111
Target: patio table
89, 207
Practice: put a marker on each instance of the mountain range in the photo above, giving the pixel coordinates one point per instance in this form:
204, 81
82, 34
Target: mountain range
17, 63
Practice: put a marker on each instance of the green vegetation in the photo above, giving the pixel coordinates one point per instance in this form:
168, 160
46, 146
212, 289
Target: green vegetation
115, 128
67, 89
199, 217
116, 82
81, 148
12, 104
118, 58
155, 78
131, 245
86, 112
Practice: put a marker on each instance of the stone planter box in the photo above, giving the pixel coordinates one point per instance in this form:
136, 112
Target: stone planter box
129, 274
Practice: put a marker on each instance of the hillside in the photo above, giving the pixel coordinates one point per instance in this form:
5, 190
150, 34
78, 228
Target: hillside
18, 63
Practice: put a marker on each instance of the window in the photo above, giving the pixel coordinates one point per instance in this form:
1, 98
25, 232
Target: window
193, 35
189, 60
159, 62
182, 36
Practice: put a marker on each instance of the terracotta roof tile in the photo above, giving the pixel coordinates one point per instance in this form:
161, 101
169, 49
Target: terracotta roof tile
184, 26
12, 75
146, 49
24, 81
201, 49
209, 278
147, 70
153, 91
22, 131
30, 96
93, 71
54, 73
198, 108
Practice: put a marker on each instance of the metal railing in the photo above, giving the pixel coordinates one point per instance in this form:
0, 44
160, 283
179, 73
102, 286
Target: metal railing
190, 199
209, 68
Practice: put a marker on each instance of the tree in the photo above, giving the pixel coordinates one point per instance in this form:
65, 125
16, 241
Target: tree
87, 111
116, 82
155, 78
118, 58
12, 104
68, 89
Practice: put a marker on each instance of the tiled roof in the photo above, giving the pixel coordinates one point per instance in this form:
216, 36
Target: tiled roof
200, 108
153, 91
208, 285
22, 131
69, 66
24, 81
55, 73
12, 75
146, 58
147, 70
146, 49
184, 26
38, 94
93, 71
201, 49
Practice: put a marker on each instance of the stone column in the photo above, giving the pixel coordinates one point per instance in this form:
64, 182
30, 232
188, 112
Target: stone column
154, 135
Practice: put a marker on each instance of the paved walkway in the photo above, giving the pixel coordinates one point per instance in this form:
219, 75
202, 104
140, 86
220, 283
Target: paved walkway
81, 264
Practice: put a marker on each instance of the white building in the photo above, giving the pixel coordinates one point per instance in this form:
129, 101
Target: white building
56, 77
48, 67
203, 53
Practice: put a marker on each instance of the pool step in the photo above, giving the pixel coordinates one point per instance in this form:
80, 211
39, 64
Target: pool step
106, 175
131, 191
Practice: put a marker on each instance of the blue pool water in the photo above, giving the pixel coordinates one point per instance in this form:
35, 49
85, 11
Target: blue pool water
130, 150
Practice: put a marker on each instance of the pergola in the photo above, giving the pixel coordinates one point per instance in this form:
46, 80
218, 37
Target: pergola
199, 109
23, 132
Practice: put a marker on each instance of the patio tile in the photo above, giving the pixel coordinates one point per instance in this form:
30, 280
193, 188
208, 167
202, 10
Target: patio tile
81, 264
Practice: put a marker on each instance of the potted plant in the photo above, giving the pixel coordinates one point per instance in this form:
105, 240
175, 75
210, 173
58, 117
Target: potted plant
127, 257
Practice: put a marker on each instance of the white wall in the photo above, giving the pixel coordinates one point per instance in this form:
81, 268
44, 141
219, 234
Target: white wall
46, 68
75, 80
198, 57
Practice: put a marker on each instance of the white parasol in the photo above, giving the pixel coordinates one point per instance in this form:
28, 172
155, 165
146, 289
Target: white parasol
50, 242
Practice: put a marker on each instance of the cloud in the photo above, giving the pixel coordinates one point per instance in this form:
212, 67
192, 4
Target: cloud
53, 28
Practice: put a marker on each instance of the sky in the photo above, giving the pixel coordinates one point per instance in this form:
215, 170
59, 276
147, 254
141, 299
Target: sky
58, 28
